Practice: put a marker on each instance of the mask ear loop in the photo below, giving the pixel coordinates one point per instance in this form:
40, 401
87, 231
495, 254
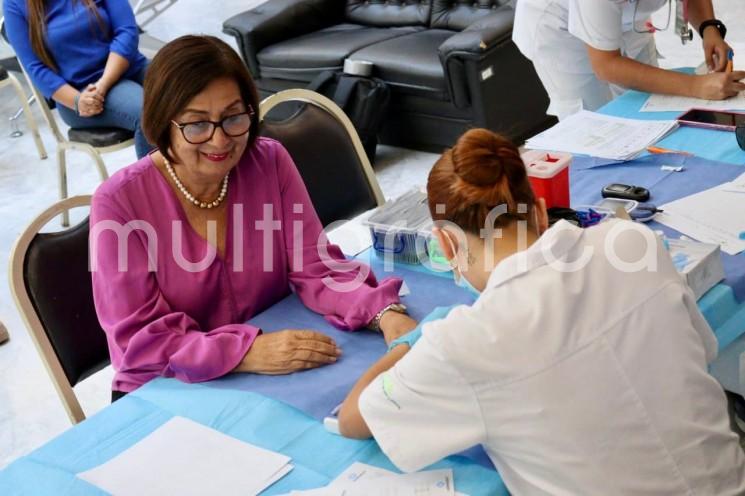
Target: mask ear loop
453, 261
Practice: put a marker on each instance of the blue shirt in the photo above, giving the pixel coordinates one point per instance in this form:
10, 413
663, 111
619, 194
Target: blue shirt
75, 41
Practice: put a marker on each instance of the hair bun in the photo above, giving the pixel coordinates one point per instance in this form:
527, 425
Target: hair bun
482, 158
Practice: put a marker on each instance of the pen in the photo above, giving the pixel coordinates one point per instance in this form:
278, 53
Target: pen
730, 57
659, 149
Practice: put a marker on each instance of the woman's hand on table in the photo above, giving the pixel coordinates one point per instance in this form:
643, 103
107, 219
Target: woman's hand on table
395, 324
284, 352
718, 85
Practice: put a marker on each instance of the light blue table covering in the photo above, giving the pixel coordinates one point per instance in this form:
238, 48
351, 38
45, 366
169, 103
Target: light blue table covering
318, 456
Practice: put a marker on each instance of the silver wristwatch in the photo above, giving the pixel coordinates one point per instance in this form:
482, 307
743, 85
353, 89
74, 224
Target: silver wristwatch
393, 307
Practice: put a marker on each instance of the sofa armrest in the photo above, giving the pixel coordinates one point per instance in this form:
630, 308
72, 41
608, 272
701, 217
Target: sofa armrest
481, 34
477, 42
278, 20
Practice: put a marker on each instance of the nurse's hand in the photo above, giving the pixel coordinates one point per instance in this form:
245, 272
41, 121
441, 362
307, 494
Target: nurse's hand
718, 85
715, 50
284, 352
395, 324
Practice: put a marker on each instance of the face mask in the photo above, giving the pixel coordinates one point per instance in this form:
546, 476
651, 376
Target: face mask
461, 281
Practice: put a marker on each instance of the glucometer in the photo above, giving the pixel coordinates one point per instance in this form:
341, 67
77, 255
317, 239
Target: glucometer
331, 422
626, 192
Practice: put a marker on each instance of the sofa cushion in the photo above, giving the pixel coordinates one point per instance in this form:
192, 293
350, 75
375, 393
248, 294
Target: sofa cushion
304, 57
459, 14
389, 12
410, 63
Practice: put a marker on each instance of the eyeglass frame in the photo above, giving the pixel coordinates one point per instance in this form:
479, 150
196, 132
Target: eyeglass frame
740, 135
215, 124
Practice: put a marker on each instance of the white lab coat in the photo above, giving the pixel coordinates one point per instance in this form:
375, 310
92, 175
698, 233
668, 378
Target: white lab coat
554, 33
591, 382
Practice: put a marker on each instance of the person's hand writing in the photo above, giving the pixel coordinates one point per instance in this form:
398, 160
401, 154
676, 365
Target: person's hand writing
395, 324
284, 352
90, 103
718, 85
715, 50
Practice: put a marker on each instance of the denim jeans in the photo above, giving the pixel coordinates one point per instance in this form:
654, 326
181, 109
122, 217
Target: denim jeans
122, 109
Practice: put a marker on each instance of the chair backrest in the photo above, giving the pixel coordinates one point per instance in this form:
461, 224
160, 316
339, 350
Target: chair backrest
386, 13
327, 151
457, 15
52, 288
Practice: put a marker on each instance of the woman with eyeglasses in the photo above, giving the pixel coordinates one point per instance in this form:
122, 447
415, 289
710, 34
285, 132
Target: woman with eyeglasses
586, 52
210, 229
84, 55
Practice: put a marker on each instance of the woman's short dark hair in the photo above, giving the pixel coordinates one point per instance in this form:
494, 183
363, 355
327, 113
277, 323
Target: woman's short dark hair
179, 72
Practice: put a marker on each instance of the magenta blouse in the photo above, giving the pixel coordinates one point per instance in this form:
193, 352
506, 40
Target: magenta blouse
165, 315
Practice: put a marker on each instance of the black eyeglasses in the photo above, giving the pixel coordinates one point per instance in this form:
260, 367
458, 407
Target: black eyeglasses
199, 132
740, 133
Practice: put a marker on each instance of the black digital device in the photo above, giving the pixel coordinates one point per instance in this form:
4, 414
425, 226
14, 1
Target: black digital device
626, 192
712, 119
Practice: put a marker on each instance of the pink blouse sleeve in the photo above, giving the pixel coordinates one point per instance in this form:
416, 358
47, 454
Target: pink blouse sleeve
145, 335
346, 292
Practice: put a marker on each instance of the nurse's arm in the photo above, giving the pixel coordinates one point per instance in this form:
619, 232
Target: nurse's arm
611, 66
351, 423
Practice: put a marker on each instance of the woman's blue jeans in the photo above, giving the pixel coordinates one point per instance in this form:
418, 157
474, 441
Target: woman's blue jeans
122, 108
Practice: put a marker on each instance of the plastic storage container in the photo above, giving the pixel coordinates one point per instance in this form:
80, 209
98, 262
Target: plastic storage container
402, 227
548, 173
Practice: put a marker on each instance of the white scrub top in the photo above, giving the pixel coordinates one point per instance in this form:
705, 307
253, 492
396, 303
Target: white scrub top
586, 382
553, 34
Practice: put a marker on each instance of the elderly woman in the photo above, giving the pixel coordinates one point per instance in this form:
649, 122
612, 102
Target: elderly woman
83, 54
212, 228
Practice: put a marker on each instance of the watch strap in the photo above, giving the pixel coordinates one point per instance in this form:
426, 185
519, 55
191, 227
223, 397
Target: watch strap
713, 22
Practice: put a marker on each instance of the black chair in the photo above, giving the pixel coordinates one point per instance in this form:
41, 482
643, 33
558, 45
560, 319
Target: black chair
451, 64
326, 150
52, 287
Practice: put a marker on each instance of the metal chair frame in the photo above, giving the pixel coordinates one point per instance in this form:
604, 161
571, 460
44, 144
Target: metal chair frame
320, 101
28, 312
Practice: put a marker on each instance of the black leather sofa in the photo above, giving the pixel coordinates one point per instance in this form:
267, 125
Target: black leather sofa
451, 65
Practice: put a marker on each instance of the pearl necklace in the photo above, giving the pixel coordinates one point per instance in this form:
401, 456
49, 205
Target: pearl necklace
217, 201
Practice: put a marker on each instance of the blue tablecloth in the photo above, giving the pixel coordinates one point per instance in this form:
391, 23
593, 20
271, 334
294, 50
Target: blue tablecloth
318, 456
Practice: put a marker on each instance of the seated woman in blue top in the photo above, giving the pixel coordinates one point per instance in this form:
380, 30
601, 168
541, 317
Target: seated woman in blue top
84, 55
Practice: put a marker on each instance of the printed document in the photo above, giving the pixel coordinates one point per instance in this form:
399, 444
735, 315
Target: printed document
711, 216
599, 135
187, 458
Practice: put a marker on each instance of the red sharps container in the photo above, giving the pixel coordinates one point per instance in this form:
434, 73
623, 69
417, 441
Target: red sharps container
548, 173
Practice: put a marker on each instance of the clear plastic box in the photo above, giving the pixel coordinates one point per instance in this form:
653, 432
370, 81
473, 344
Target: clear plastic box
402, 227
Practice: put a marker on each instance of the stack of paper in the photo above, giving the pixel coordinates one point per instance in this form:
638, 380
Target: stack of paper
711, 216
363, 480
670, 103
602, 136
186, 458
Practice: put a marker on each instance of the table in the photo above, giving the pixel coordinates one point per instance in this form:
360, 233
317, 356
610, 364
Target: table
282, 412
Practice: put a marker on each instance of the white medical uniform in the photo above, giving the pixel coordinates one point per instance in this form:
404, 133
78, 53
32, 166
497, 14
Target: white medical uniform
591, 382
553, 34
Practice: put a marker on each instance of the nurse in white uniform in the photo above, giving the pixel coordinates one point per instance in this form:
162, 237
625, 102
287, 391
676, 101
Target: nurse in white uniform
581, 367
588, 51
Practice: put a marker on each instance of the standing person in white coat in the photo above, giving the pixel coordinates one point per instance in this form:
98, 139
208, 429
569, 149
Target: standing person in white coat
578, 369
586, 52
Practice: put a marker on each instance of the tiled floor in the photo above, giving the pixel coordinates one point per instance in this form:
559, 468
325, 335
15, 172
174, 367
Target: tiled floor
30, 412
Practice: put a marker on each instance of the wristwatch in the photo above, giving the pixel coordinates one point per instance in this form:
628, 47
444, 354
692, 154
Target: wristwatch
713, 22
374, 324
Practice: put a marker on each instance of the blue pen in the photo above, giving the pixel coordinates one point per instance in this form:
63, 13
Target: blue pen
730, 60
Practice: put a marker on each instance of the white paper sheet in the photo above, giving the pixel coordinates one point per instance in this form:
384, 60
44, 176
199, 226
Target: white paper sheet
715, 215
602, 136
352, 236
670, 103
736, 186
187, 458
